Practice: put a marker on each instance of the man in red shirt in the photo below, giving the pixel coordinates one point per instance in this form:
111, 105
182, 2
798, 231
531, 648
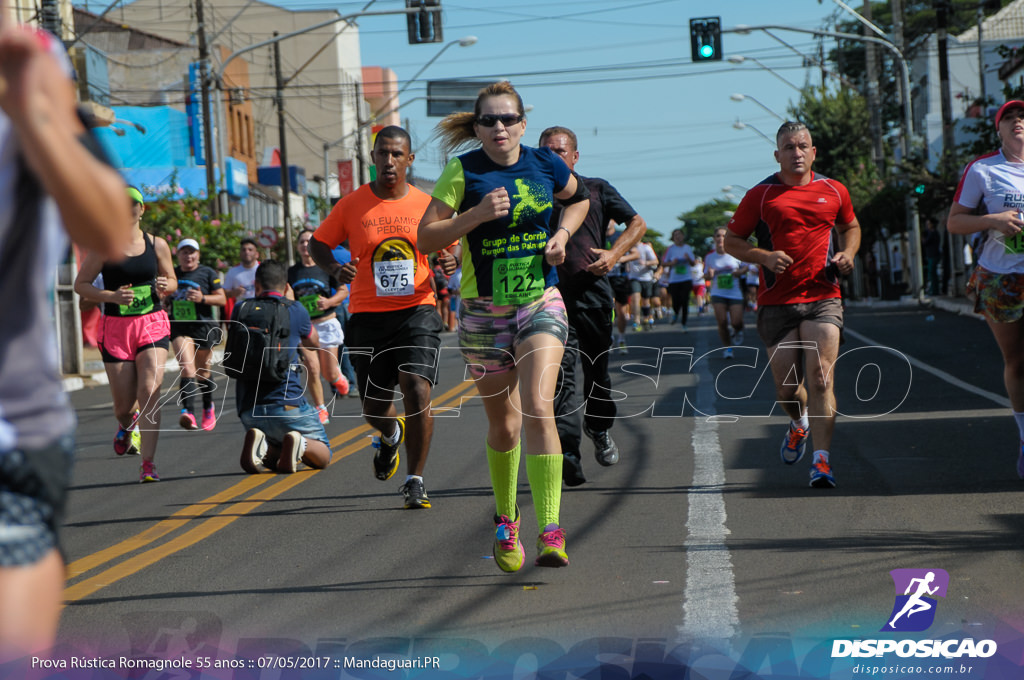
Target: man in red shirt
807, 236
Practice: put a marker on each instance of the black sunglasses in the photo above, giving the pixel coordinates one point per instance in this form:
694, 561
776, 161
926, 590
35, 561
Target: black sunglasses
507, 119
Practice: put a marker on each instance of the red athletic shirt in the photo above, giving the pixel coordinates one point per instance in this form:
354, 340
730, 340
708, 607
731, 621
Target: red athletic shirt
799, 220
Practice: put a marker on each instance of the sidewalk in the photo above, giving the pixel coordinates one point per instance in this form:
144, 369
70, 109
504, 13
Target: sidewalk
94, 373
954, 305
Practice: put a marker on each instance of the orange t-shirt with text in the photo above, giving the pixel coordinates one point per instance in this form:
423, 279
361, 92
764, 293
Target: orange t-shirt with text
391, 274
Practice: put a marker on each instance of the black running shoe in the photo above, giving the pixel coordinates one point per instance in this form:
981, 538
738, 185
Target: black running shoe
385, 460
572, 470
605, 450
415, 495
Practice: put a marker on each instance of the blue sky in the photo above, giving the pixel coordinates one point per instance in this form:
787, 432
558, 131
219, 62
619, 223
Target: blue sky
655, 125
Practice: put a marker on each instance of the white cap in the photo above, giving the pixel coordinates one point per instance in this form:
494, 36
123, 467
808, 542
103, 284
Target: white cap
188, 243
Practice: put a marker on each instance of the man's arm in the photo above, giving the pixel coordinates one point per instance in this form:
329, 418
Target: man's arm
311, 341
339, 296
635, 230
775, 261
850, 235
323, 255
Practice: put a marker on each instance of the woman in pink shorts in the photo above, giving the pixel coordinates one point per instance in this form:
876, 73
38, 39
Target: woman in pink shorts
135, 333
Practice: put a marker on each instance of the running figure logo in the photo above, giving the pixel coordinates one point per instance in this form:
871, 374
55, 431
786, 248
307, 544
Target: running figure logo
530, 197
914, 609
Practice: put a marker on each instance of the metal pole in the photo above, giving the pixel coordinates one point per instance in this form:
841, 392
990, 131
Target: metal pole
981, 55
326, 195
204, 90
218, 73
286, 188
874, 101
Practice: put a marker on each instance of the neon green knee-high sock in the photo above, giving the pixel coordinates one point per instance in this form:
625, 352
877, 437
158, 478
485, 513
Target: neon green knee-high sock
545, 474
504, 467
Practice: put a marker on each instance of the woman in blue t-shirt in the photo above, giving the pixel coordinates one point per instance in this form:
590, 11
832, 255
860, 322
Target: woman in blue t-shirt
512, 322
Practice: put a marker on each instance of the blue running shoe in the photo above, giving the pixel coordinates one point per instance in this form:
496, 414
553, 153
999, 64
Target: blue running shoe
821, 475
794, 444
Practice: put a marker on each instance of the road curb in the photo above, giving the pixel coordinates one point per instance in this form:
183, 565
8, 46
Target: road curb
96, 375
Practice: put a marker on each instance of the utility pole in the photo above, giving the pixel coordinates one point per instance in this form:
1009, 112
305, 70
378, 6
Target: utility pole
363, 170
283, 144
942, 22
204, 92
874, 100
981, 54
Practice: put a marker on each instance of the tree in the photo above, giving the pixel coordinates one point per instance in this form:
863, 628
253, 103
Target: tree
839, 124
919, 22
701, 222
175, 216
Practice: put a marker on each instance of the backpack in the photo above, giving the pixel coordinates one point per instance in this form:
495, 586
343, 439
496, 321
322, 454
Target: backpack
257, 347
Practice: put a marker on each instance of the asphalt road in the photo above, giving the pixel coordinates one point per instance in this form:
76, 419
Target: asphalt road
699, 539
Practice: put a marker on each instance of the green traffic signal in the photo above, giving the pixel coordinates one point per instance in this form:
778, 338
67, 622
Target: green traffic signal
919, 189
706, 39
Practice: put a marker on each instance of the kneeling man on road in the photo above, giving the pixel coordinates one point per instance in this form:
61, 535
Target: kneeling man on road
282, 428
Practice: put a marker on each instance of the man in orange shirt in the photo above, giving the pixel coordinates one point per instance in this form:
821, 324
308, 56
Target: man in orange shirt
392, 306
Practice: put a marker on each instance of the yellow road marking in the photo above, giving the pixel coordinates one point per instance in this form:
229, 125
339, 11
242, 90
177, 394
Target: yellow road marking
164, 527
209, 526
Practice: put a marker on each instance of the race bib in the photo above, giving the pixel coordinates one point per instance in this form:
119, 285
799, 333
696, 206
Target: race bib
1014, 244
724, 281
309, 302
394, 277
682, 269
518, 280
184, 310
141, 304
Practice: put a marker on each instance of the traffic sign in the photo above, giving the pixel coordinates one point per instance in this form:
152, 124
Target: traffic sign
267, 237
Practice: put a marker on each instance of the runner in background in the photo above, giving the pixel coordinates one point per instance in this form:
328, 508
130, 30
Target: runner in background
194, 333
135, 334
724, 272
589, 305
678, 259
320, 294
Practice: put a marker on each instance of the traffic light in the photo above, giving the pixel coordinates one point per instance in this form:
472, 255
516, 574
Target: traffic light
424, 26
706, 39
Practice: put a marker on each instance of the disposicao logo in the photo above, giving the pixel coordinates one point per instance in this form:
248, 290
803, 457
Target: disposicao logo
916, 590
914, 611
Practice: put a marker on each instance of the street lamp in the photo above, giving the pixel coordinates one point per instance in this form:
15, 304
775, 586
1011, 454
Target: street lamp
740, 97
743, 126
468, 41
739, 59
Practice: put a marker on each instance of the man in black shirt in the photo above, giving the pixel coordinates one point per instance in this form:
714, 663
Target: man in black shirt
584, 285
194, 332
321, 295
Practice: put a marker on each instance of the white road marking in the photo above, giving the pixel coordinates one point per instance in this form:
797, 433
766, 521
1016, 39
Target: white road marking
938, 373
709, 601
